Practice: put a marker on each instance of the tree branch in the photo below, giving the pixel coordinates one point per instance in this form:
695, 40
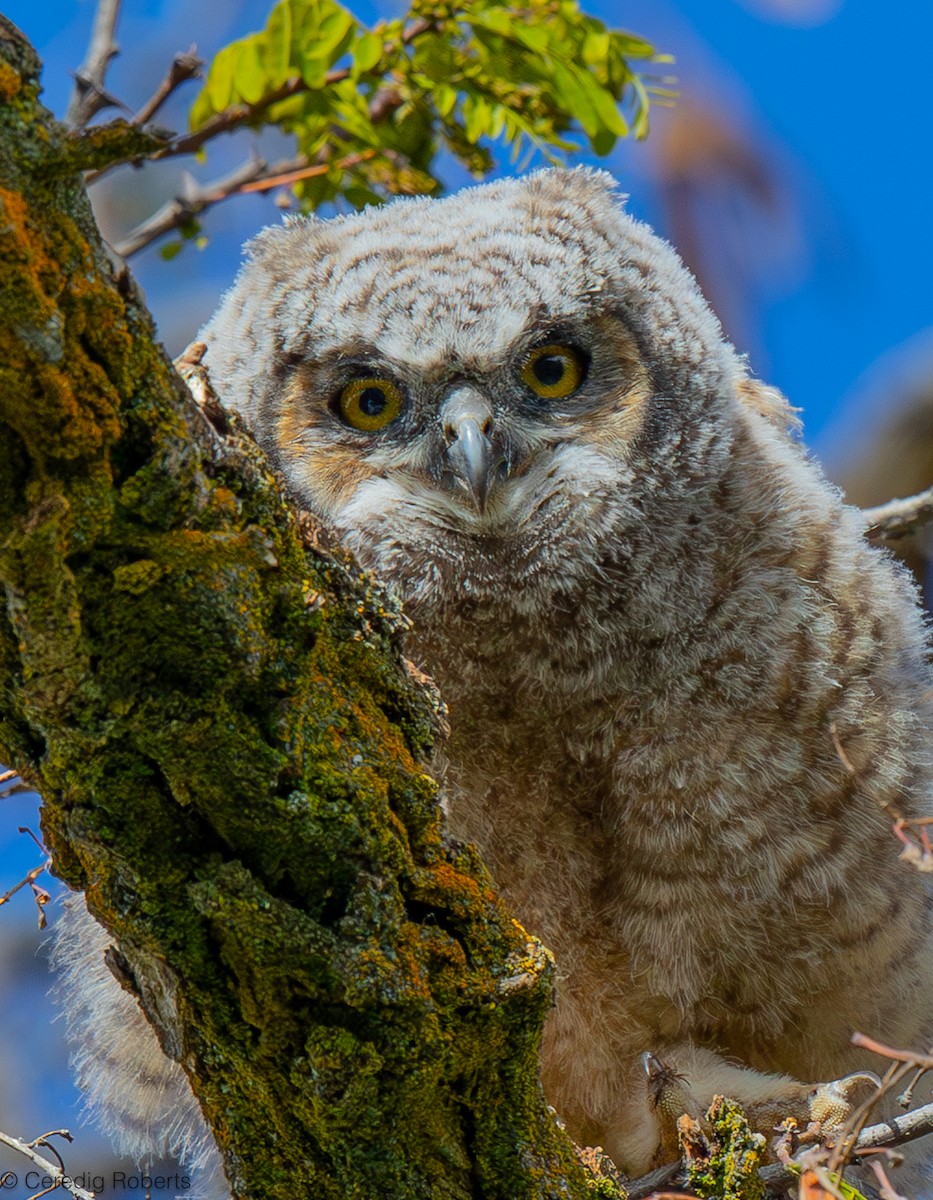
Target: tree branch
88, 96
898, 518
11, 784
776, 1176
55, 1171
254, 176
898, 1130
911, 1057
184, 67
177, 212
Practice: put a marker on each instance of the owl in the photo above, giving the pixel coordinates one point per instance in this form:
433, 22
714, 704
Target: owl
686, 698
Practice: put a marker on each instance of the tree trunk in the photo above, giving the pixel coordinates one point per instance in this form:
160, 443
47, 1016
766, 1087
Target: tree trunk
233, 756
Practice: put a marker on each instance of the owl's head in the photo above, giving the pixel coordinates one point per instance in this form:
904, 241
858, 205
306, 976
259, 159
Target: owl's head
469, 389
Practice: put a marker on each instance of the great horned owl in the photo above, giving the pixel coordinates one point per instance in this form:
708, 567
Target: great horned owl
685, 696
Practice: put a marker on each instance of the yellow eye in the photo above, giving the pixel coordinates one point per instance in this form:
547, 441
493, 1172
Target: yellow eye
554, 371
370, 404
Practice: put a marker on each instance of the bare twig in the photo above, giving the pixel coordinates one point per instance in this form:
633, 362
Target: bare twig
11, 784
196, 199
898, 518
918, 853
845, 1140
39, 846
53, 1170
285, 178
903, 1056
254, 176
184, 67
89, 96
906, 1098
39, 894
885, 1190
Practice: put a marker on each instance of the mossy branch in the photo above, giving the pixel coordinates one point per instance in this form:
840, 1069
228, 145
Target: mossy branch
233, 755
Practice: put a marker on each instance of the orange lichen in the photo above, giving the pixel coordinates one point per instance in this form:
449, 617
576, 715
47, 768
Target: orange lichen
10, 83
460, 887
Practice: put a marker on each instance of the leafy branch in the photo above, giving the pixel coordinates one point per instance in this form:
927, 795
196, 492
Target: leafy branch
372, 110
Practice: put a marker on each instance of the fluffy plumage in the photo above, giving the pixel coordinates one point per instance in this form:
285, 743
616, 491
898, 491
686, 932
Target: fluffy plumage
652, 620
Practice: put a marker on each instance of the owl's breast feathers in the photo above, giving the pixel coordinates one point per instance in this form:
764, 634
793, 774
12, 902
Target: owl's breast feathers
661, 742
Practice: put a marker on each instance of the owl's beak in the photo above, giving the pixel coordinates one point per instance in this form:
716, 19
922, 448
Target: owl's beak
467, 422
470, 456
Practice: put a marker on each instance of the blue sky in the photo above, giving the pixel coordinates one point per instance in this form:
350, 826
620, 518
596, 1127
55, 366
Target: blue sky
838, 109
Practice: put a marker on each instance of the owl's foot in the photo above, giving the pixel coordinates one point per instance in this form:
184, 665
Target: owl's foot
688, 1088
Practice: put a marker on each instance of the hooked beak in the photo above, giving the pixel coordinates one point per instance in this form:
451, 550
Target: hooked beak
472, 457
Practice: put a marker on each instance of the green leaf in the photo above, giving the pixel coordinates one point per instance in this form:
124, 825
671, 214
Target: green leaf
498, 20
497, 121
476, 117
325, 37
605, 104
360, 196
171, 250
507, 24
534, 37
632, 46
314, 72
589, 102
436, 58
276, 45
445, 99
602, 142
352, 113
366, 52
596, 47
219, 84
572, 96
250, 79
642, 108
201, 110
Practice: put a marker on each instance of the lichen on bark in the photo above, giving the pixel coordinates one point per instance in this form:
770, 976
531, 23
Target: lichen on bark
233, 756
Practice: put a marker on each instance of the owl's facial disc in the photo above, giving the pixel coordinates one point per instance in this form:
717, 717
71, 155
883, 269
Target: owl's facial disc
474, 456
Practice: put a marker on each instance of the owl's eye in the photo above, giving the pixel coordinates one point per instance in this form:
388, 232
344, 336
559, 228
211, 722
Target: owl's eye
554, 371
370, 404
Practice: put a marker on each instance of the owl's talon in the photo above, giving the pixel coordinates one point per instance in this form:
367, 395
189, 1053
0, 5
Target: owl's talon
829, 1103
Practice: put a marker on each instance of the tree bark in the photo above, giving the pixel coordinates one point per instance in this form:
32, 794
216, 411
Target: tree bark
233, 756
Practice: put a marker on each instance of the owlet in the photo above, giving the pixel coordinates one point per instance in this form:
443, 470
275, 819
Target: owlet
685, 696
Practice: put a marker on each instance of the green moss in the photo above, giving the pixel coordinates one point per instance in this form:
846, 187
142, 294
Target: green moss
103, 145
731, 1171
